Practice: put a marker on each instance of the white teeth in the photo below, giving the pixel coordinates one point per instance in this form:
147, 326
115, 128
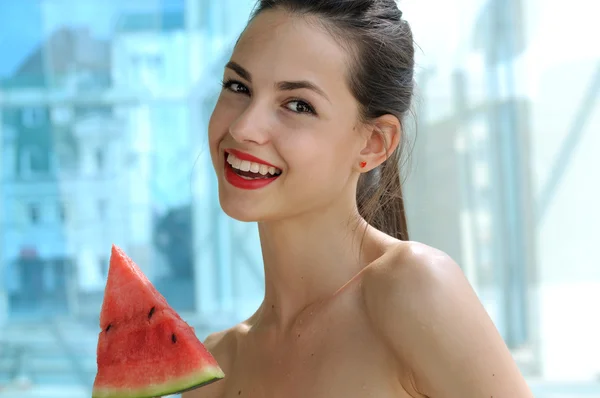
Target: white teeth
245, 165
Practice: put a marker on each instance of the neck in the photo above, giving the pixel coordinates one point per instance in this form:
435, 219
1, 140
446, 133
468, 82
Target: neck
308, 259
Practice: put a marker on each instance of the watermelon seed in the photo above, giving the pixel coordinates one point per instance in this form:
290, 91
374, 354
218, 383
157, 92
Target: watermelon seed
174, 338
108, 327
151, 312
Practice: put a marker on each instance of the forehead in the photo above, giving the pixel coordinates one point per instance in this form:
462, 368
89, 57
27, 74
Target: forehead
277, 46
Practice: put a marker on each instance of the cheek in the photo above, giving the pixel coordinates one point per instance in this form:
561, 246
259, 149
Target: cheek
217, 125
217, 129
225, 113
317, 156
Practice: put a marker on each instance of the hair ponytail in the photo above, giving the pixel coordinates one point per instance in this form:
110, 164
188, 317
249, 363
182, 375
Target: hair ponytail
380, 200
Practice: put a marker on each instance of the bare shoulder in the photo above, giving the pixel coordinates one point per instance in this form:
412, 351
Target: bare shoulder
410, 283
222, 346
420, 302
409, 260
411, 270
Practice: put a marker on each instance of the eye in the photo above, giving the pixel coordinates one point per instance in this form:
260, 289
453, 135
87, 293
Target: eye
299, 106
235, 86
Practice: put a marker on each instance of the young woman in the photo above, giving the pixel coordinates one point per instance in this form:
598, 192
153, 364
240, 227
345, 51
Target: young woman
305, 140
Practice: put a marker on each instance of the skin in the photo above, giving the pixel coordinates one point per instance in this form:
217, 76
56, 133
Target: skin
348, 311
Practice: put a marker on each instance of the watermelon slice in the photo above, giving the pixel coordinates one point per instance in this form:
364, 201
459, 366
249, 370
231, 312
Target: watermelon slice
145, 349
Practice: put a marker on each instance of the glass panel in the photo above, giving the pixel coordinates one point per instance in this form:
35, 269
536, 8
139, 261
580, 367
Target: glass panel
104, 107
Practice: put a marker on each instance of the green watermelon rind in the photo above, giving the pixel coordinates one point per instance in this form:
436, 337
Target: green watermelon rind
204, 376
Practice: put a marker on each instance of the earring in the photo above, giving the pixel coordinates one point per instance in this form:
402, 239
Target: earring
363, 164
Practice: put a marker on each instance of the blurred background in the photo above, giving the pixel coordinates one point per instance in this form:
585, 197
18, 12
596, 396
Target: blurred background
103, 115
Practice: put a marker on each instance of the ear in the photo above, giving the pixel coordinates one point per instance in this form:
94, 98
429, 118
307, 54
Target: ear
382, 138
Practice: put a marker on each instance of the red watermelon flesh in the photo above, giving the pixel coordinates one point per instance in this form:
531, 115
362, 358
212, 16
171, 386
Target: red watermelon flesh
128, 292
145, 349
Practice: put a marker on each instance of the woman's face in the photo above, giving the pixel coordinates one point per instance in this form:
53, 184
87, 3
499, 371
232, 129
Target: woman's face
286, 106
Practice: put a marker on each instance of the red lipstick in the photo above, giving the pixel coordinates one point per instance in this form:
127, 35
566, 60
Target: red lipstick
240, 182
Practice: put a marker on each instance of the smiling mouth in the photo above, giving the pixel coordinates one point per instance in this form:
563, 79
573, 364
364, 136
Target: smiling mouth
251, 170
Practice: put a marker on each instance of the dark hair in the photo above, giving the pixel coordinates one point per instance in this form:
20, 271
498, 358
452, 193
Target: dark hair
380, 78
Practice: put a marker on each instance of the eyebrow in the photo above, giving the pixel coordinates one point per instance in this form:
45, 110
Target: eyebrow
237, 68
283, 86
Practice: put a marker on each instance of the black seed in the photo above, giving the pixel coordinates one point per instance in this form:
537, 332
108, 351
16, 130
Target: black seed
240, 392
174, 338
151, 312
108, 327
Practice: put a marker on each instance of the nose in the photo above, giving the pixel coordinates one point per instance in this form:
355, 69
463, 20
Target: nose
252, 126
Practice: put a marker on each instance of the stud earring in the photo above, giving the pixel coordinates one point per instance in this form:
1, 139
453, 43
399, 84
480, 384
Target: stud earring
363, 164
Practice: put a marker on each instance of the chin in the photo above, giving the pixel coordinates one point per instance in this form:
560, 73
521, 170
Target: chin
240, 211
240, 215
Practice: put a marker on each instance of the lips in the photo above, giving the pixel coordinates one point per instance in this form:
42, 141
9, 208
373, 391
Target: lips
246, 171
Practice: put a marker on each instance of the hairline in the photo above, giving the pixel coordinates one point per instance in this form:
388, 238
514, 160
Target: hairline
337, 33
